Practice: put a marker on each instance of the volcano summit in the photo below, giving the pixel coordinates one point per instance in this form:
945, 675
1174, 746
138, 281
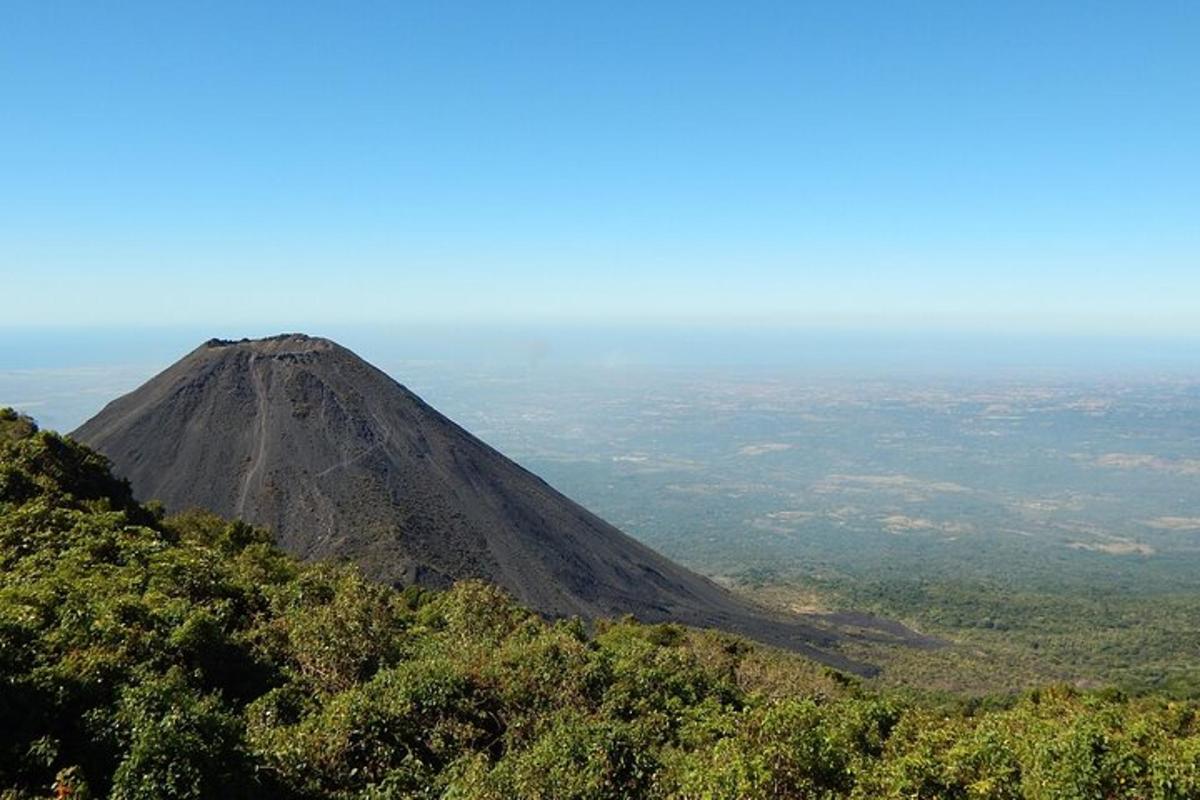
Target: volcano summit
300, 435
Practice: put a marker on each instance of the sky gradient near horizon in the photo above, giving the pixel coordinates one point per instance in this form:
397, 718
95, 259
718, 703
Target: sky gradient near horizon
1014, 166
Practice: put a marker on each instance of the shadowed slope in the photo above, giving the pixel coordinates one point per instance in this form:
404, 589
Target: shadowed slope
300, 435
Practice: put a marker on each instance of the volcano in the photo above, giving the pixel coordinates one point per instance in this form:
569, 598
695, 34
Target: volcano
338, 460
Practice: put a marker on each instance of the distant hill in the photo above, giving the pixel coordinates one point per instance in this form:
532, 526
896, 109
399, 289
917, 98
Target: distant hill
300, 435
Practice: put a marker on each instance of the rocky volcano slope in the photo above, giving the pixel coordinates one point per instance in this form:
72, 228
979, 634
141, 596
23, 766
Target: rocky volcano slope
300, 435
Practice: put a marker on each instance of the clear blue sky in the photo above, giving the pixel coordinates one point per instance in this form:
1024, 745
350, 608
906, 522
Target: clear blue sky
1004, 166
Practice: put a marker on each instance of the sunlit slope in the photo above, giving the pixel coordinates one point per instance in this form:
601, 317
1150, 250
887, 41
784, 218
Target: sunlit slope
301, 436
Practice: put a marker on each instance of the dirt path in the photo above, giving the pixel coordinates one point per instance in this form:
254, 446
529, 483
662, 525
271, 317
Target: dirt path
260, 393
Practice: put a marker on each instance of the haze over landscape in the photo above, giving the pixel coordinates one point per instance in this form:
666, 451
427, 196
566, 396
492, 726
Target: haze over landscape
554, 401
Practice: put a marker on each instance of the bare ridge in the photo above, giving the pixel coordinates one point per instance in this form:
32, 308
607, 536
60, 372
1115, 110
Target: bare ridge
300, 435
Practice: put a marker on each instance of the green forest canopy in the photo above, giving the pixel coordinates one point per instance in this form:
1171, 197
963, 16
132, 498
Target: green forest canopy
186, 656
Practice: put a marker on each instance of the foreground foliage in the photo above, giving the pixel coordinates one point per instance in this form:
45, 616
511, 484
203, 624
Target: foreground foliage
143, 657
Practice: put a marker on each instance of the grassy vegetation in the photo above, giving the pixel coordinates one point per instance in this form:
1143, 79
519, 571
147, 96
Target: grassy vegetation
1016, 635
1137, 641
150, 657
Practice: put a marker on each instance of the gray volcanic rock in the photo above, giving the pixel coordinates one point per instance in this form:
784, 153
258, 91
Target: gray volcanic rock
300, 435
